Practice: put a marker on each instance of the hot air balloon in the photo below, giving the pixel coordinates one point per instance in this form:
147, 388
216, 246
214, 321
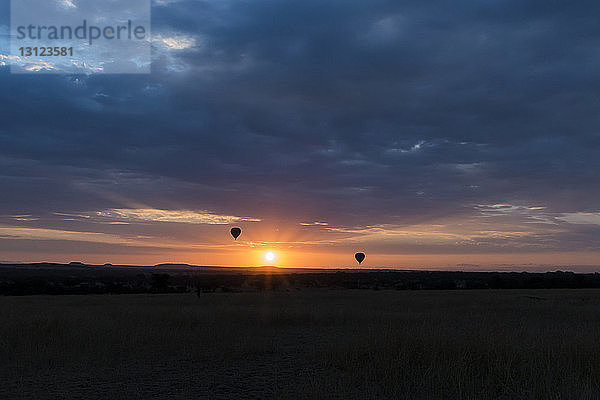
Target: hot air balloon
359, 257
235, 232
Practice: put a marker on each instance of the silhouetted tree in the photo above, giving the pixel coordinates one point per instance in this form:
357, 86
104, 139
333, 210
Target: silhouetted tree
160, 282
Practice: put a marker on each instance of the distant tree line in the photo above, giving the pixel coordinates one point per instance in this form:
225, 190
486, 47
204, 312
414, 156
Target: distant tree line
14, 282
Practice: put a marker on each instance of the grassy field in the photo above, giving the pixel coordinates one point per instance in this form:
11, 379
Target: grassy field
344, 344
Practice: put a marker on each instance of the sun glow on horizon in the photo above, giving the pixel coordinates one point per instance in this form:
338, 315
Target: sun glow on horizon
270, 256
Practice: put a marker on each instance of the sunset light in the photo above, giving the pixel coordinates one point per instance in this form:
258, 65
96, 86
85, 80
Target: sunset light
270, 256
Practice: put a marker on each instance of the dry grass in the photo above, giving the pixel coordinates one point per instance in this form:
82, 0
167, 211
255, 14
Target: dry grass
542, 344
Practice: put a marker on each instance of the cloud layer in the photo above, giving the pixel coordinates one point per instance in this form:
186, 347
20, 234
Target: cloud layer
418, 118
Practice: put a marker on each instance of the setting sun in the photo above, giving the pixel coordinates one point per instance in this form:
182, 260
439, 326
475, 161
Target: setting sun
270, 256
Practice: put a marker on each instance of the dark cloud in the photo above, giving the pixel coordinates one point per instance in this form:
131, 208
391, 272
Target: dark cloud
357, 113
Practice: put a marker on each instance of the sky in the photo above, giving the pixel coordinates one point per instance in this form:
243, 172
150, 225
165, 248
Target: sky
436, 134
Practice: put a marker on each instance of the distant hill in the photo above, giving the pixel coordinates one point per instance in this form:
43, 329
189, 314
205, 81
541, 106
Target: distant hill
79, 278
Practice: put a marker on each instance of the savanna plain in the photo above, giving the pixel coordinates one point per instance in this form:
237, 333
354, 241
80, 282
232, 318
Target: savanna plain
303, 344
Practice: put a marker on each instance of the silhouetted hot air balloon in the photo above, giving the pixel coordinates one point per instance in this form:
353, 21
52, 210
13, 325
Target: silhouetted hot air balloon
235, 232
359, 257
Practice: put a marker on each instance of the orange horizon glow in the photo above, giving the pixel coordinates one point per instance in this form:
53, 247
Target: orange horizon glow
289, 259
147, 236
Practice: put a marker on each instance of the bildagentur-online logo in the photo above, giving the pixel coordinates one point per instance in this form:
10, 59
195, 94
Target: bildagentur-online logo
80, 36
